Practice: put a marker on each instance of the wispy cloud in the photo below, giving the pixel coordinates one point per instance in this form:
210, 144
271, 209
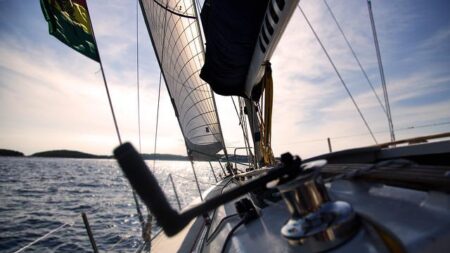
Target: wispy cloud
53, 97
314, 104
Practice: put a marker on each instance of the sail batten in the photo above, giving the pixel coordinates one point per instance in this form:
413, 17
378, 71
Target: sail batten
177, 42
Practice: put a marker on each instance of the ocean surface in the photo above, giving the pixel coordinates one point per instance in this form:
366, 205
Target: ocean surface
39, 195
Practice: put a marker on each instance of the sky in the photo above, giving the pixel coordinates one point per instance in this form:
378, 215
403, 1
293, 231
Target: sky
52, 97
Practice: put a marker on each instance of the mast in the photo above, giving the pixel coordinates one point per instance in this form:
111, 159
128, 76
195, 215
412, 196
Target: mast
380, 67
254, 127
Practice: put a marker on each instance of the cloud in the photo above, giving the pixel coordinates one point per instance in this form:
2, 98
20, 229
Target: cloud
53, 97
313, 103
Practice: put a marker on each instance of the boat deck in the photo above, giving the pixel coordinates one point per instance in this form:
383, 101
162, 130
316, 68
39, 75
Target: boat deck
412, 219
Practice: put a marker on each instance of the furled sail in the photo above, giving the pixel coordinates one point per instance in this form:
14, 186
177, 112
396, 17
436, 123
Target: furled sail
241, 37
231, 32
175, 32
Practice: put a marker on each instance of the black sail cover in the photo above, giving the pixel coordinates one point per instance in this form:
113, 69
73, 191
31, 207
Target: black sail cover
231, 30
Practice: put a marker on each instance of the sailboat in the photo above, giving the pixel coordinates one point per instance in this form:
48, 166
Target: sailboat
382, 198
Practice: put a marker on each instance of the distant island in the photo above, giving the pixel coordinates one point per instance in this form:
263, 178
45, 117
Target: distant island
82, 155
7, 152
67, 154
165, 157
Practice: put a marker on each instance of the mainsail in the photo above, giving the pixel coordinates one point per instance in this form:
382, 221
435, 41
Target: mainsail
175, 33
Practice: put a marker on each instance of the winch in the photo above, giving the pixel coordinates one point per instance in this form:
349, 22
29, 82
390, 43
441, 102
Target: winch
316, 222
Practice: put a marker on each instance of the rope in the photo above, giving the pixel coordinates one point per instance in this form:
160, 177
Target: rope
339, 75
268, 99
355, 56
44, 236
217, 229
230, 235
389, 164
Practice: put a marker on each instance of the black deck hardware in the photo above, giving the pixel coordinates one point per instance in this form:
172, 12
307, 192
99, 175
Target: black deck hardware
246, 210
170, 220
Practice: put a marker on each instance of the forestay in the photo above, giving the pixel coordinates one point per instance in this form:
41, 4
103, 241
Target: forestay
174, 29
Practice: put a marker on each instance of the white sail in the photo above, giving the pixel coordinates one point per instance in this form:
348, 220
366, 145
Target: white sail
174, 29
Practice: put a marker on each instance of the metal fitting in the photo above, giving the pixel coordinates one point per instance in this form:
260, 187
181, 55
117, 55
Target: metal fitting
316, 222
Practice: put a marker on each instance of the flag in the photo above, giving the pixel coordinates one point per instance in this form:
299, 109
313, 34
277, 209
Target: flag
68, 21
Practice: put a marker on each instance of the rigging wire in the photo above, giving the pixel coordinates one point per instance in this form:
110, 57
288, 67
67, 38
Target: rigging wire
157, 119
198, 5
159, 90
135, 197
246, 141
355, 56
110, 104
245, 129
112, 108
137, 75
116, 125
338, 74
365, 134
380, 67
45, 236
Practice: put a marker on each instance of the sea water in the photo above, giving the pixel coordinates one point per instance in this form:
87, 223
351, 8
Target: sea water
38, 195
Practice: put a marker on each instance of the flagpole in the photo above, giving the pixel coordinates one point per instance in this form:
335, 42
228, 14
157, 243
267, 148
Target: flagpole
138, 209
109, 96
104, 79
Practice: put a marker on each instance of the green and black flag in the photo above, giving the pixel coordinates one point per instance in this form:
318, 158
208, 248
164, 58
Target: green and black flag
68, 21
